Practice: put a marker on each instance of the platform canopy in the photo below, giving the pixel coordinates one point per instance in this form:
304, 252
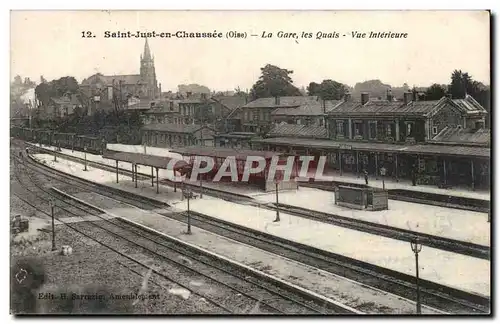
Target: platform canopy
432, 149
145, 159
223, 152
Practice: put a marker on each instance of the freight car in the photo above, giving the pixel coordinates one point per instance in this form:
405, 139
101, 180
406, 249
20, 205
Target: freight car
94, 144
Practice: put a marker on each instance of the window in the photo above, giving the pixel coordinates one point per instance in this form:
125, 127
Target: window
409, 129
389, 130
434, 130
373, 130
256, 115
340, 127
357, 129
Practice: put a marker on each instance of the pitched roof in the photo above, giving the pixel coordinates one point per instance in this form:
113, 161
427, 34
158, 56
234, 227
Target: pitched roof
449, 134
420, 108
242, 135
163, 107
231, 102
108, 79
143, 104
469, 105
308, 108
298, 131
270, 102
73, 99
447, 150
222, 152
174, 128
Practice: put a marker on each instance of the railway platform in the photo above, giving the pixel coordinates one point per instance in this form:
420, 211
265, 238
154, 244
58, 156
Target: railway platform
450, 269
389, 183
353, 294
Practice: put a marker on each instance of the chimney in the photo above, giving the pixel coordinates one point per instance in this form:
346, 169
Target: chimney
277, 100
171, 105
448, 95
365, 96
347, 96
188, 94
246, 99
203, 96
159, 90
389, 95
407, 97
324, 106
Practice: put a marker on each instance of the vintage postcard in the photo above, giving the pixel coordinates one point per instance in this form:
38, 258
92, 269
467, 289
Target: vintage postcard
250, 162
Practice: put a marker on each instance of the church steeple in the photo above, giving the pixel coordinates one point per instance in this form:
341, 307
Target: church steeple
147, 52
148, 73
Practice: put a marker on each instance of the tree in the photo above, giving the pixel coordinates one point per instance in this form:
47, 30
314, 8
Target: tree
17, 80
64, 85
435, 92
461, 83
327, 90
43, 93
273, 82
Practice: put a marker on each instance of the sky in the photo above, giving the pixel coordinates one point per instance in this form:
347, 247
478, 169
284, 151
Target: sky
50, 43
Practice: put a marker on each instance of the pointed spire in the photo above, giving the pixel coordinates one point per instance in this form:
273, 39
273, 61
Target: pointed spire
147, 52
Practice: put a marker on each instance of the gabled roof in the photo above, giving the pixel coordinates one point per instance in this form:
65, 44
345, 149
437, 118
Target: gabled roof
375, 107
143, 104
108, 79
175, 128
449, 134
64, 100
298, 131
270, 102
231, 102
469, 105
308, 108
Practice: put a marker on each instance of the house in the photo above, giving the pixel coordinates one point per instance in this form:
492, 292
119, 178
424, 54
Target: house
441, 141
259, 115
223, 107
63, 106
163, 112
177, 135
407, 121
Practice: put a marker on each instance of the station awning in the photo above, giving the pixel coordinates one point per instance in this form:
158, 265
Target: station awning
145, 159
431, 149
223, 152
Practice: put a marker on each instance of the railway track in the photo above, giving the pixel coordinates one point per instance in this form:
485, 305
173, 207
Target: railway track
237, 288
456, 246
434, 295
433, 199
426, 198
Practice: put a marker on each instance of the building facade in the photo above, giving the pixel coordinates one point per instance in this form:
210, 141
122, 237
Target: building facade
407, 138
177, 135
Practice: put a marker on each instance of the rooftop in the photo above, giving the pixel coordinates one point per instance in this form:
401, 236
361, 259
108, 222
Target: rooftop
299, 131
144, 159
399, 108
430, 149
108, 79
174, 128
464, 136
231, 102
222, 152
289, 102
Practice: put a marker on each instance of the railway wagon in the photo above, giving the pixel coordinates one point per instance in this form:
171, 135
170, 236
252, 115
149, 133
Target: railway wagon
93, 144
66, 140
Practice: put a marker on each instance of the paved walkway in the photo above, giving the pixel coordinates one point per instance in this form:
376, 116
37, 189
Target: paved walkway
247, 190
404, 184
350, 293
